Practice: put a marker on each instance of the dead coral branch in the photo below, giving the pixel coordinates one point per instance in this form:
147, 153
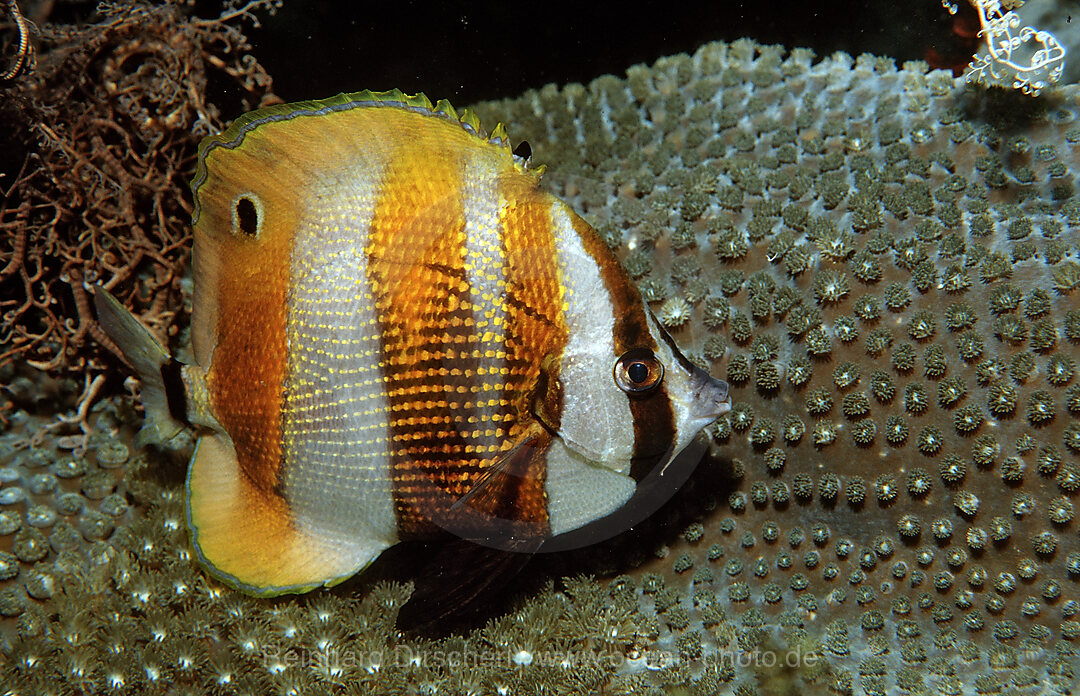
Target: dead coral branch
98, 145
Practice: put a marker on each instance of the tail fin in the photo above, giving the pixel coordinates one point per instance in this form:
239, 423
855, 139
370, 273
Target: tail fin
150, 360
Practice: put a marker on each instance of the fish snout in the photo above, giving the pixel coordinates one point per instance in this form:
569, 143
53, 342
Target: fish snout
711, 396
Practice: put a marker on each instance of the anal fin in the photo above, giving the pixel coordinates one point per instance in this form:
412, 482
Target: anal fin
516, 462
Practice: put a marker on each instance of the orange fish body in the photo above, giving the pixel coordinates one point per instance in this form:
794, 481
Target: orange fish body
396, 330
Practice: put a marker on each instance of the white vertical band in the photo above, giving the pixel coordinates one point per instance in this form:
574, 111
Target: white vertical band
337, 474
485, 266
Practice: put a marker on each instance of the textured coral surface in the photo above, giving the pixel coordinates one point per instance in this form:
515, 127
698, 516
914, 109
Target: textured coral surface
883, 263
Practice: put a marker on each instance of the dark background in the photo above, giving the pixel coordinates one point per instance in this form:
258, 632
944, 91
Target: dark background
467, 52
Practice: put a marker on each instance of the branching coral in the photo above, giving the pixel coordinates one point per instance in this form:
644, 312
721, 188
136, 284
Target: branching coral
98, 147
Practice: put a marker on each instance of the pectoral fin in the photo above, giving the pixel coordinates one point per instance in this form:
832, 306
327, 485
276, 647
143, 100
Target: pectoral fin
545, 397
504, 506
516, 462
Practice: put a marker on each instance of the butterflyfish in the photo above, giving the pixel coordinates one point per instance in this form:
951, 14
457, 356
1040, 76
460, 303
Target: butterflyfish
396, 333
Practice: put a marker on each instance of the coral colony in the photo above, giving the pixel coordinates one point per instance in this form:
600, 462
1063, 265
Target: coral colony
880, 262
883, 263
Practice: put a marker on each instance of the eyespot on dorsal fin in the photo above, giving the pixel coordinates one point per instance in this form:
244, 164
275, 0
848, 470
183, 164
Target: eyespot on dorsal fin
232, 138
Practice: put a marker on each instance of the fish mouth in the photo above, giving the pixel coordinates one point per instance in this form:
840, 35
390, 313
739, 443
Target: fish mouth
711, 397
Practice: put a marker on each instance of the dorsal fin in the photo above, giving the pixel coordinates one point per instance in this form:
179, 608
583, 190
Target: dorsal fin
499, 136
467, 119
445, 107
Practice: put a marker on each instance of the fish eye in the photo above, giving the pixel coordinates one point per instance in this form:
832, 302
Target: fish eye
638, 371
